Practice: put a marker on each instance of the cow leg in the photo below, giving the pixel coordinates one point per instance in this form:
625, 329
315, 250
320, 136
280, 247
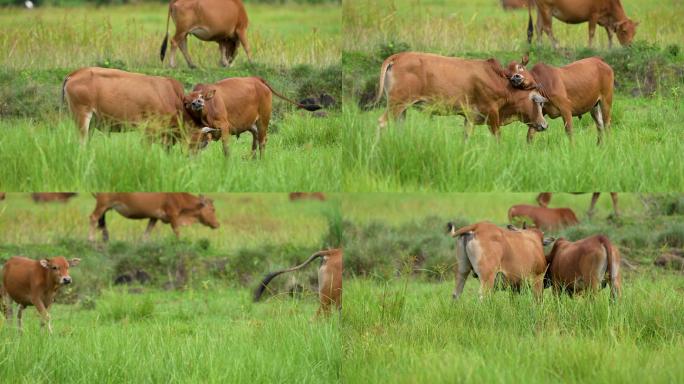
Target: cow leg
567, 122
614, 197
262, 129
82, 116
255, 135
20, 312
594, 199
44, 315
597, 115
231, 50
467, 129
223, 61
610, 37
225, 141
150, 227
546, 24
494, 124
530, 134
592, 30
486, 283
242, 35
97, 220
182, 40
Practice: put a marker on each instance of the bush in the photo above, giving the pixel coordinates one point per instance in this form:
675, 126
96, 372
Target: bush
673, 236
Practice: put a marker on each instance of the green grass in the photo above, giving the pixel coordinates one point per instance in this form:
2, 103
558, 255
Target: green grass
209, 335
426, 153
406, 332
46, 155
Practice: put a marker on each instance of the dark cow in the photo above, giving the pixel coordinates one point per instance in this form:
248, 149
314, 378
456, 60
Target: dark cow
606, 13
176, 209
584, 86
34, 282
222, 21
479, 90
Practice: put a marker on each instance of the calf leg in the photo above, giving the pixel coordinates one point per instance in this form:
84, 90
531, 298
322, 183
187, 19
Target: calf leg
594, 199
597, 115
150, 227
44, 315
20, 312
614, 197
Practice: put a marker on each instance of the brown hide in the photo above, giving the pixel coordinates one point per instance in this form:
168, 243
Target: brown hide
543, 217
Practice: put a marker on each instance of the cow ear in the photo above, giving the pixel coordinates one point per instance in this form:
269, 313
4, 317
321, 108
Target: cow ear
525, 60
548, 240
74, 262
45, 263
202, 201
209, 94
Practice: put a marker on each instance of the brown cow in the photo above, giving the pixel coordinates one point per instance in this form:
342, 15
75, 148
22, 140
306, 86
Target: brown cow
294, 196
34, 282
606, 13
222, 21
515, 4
125, 97
476, 89
583, 264
329, 279
48, 197
544, 218
488, 250
176, 209
582, 86
544, 198
2, 196
233, 106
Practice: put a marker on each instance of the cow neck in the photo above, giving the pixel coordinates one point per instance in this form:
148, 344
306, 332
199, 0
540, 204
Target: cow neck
49, 282
617, 12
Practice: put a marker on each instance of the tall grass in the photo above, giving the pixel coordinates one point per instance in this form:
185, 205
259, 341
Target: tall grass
43, 156
427, 153
424, 336
213, 336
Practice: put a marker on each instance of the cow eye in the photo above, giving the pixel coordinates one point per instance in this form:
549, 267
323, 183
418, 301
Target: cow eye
54, 267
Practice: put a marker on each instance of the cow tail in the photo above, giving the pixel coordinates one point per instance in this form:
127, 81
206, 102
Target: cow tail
162, 52
383, 73
510, 214
530, 27
64, 88
262, 286
453, 232
308, 107
613, 267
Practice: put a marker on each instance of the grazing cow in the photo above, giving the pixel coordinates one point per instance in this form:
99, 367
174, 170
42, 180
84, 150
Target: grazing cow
294, 196
233, 106
515, 4
329, 279
2, 196
606, 13
48, 197
544, 218
34, 282
487, 250
583, 264
582, 86
125, 97
176, 209
544, 199
476, 89
222, 21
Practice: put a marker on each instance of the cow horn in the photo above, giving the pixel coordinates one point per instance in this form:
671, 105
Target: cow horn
208, 130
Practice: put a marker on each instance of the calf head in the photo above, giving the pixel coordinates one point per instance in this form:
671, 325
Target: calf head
560, 243
625, 31
206, 213
195, 102
519, 76
58, 269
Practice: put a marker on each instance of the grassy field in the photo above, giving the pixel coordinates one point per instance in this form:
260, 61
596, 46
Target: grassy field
295, 47
427, 153
401, 325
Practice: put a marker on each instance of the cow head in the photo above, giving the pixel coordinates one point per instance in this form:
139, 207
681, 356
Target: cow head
58, 269
207, 212
560, 243
625, 30
519, 76
528, 107
195, 101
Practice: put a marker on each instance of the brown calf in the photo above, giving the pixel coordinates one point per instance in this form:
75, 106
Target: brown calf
47, 197
544, 218
233, 106
307, 196
582, 86
515, 4
2, 196
544, 198
176, 209
583, 264
34, 282
606, 13
222, 21
476, 89
329, 279
488, 250
124, 97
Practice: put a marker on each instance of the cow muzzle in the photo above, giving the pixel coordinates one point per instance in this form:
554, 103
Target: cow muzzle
66, 280
517, 80
541, 127
197, 105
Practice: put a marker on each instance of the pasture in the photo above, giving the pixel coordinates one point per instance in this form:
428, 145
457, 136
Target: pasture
296, 48
427, 152
400, 323
195, 319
